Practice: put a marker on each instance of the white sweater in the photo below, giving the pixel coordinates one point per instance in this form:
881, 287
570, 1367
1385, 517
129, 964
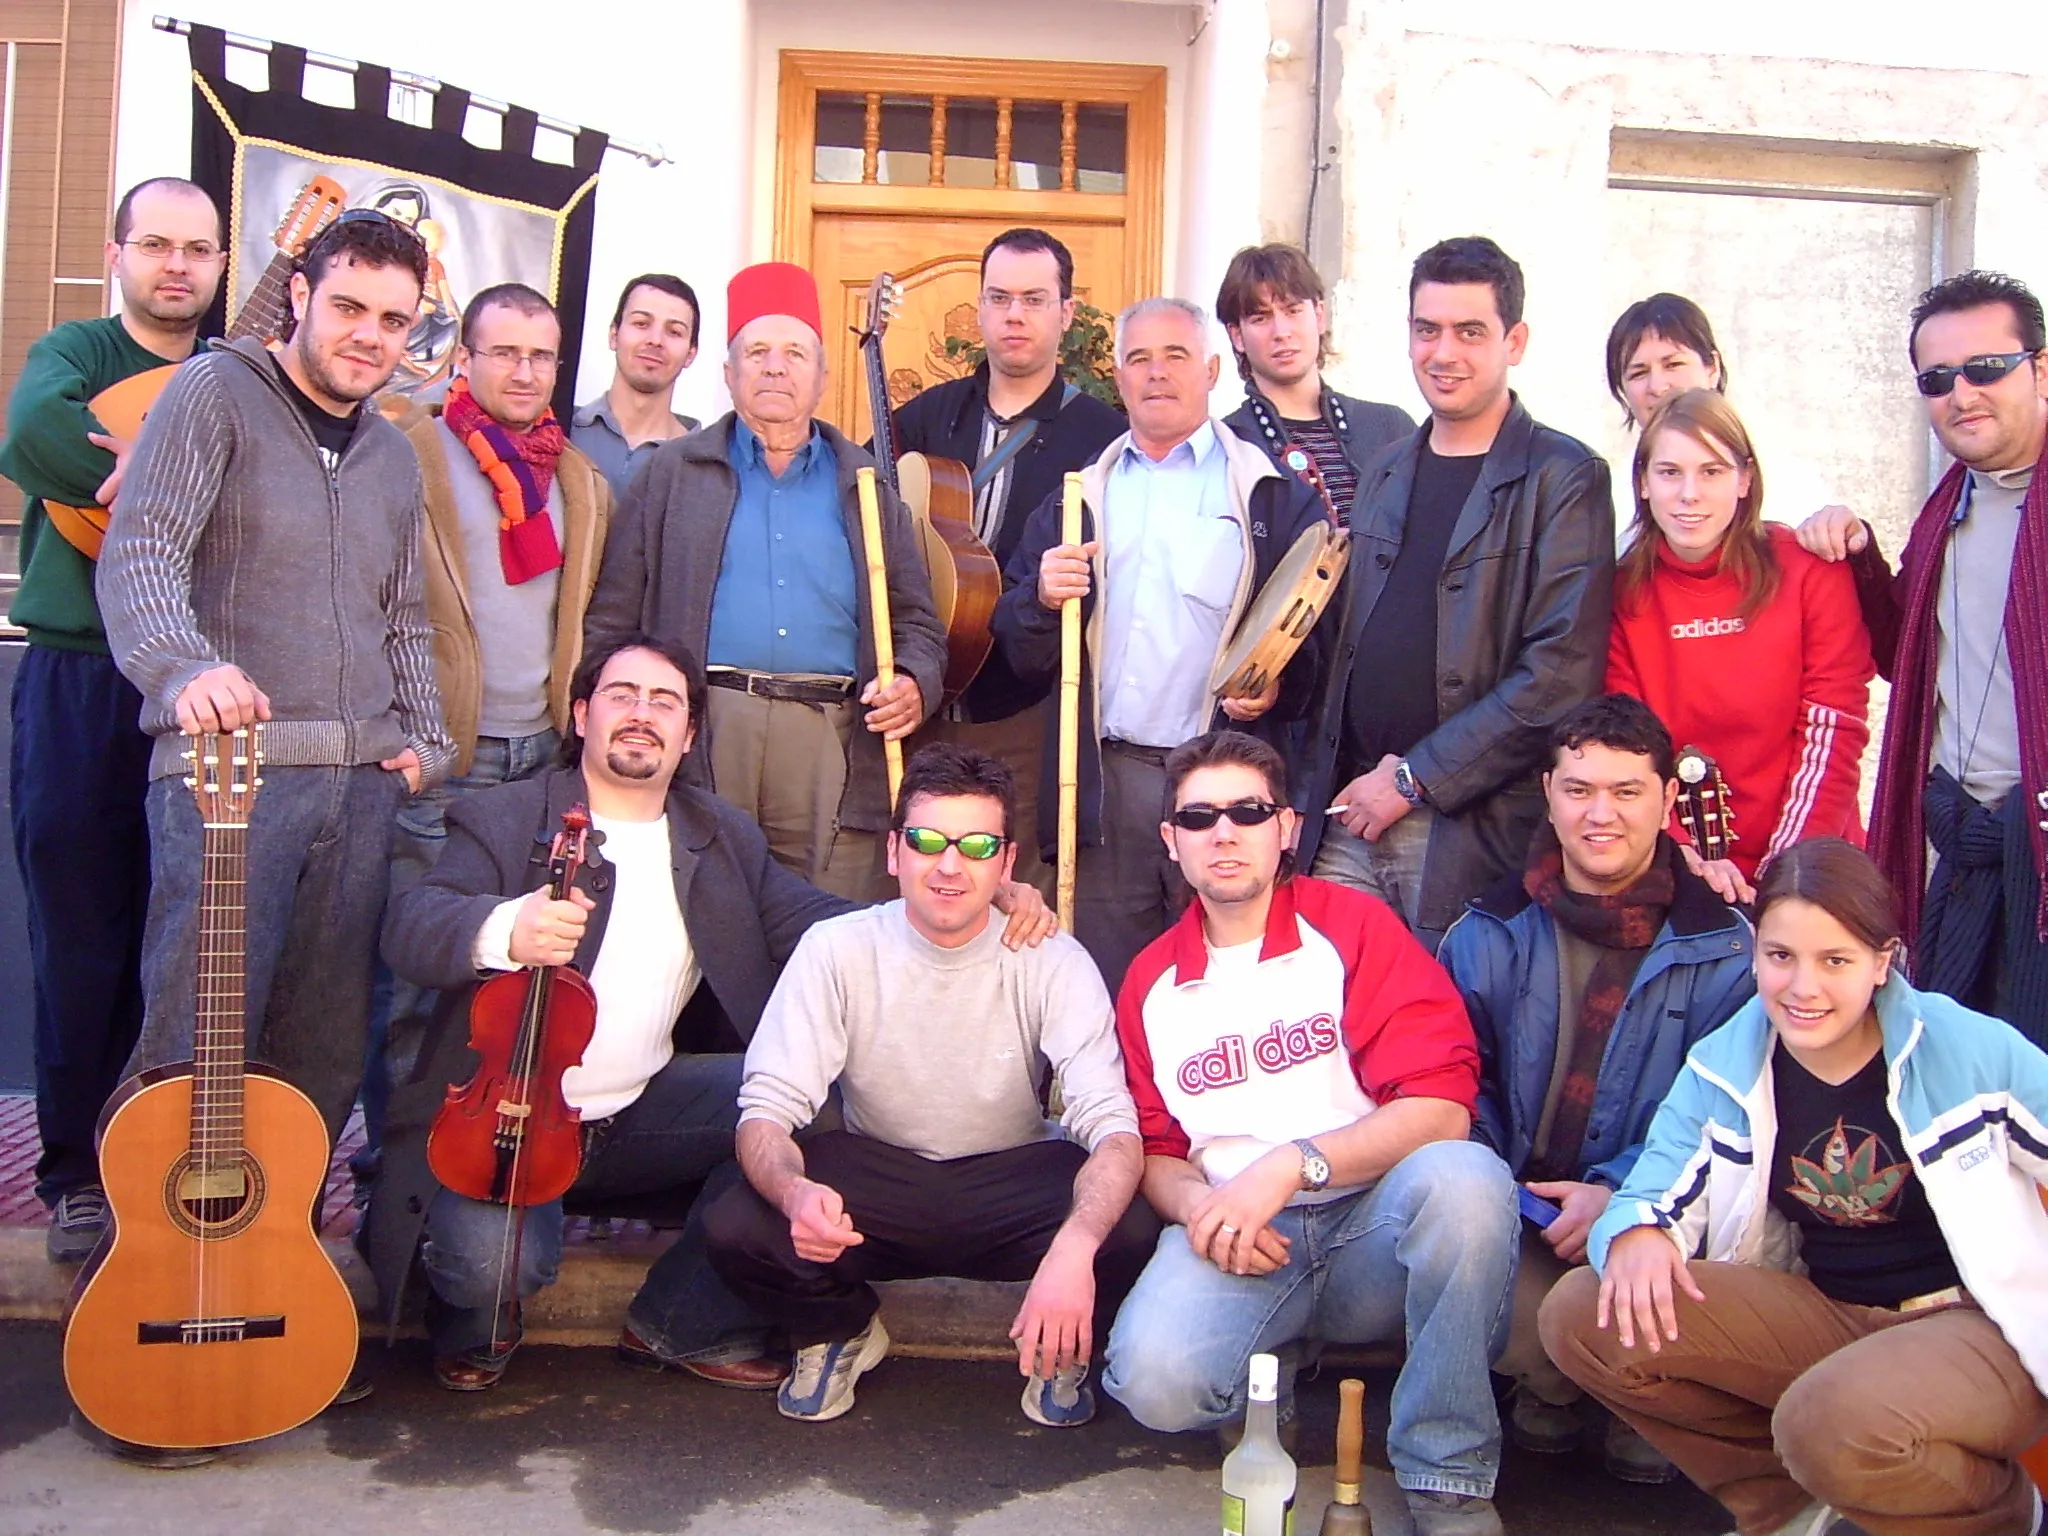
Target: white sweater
939, 1051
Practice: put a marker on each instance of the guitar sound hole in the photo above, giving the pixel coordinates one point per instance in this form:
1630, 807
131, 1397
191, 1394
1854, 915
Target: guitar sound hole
213, 1200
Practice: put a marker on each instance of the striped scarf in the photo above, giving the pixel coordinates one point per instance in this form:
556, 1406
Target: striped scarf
521, 469
1898, 821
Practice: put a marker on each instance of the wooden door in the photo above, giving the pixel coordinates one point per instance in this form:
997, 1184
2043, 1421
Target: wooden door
912, 165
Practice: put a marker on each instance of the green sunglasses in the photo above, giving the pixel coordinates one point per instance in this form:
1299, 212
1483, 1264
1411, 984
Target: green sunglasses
972, 845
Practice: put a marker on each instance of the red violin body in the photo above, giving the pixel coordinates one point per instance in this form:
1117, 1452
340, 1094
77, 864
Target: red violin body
507, 1135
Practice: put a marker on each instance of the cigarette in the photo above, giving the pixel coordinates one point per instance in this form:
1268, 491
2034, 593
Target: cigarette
1338, 809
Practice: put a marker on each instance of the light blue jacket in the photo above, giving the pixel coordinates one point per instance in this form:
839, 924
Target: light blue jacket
1969, 1095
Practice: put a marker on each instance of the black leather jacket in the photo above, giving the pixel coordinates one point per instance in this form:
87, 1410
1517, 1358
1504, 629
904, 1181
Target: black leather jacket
1522, 615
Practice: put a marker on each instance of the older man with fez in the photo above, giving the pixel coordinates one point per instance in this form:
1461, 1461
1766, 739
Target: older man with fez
744, 542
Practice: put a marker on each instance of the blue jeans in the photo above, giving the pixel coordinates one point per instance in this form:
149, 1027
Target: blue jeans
1426, 1255
416, 844
1390, 868
679, 1131
318, 842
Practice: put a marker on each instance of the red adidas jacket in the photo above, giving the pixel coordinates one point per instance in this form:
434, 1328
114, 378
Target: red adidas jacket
1338, 1009
1780, 700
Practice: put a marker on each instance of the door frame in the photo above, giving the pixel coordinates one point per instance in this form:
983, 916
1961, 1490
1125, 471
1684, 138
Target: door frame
1140, 89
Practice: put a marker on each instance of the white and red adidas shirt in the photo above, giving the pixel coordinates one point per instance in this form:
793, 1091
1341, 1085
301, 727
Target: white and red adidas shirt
1232, 1052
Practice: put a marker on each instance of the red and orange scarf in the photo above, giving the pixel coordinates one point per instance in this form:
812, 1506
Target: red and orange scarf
521, 469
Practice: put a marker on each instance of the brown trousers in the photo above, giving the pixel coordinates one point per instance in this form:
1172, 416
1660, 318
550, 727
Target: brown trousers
784, 764
1774, 1396
1524, 1360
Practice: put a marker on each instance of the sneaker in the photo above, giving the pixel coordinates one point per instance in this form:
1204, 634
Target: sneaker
821, 1378
1814, 1520
1548, 1429
1451, 1514
1061, 1401
77, 1225
1632, 1459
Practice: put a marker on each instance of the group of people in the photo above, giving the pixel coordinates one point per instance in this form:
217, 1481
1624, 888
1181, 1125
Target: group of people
1399, 1004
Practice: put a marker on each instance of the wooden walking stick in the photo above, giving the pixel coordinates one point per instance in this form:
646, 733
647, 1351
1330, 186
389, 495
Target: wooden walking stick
1070, 713
878, 606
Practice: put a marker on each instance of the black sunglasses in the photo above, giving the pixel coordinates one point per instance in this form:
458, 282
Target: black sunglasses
1245, 813
1991, 368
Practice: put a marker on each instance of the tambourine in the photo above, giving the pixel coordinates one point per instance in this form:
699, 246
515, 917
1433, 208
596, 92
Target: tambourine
1283, 613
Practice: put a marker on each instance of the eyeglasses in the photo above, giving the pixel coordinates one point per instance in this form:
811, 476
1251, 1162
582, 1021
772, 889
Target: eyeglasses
199, 252
931, 842
509, 358
376, 215
1036, 302
1991, 368
1244, 813
660, 701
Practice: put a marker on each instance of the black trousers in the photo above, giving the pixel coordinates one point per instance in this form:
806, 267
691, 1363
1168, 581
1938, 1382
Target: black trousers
989, 1217
79, 776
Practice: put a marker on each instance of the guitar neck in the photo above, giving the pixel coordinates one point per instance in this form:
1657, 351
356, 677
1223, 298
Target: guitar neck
218, 1040
263, 315
878, 409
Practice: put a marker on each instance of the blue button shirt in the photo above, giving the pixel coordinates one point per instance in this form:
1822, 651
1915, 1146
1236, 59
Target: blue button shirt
1173, 554
785, 600
594, 432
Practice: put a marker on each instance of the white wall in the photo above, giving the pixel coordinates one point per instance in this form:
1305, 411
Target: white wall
674, 75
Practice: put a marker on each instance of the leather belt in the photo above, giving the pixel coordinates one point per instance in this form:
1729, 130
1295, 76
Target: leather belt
1951, 1296
767, 685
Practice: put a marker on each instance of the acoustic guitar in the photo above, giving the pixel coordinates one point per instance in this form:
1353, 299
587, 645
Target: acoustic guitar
210, 1314
1703, 808
120, 408
966, 581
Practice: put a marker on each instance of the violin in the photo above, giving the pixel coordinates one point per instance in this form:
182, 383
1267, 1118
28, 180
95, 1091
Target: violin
507, 1135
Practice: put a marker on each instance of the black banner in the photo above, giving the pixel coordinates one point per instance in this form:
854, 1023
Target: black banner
487, 215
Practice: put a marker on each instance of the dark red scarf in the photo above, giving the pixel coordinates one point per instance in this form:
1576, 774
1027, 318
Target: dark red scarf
1624, 926
1898, 823
521, 469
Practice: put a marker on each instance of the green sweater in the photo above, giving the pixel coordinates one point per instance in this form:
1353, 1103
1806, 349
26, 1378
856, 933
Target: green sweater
47, 455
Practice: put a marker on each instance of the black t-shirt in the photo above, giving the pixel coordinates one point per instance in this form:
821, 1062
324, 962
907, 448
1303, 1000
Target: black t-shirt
1841, 1175
330, 432
1391, 702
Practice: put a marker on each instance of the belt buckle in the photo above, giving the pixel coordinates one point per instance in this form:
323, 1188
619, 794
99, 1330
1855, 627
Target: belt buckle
1950, 1296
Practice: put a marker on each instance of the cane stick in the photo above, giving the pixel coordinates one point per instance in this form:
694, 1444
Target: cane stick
1070, 713
878, 605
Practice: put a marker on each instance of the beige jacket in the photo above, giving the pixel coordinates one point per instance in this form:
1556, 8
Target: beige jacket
458, 662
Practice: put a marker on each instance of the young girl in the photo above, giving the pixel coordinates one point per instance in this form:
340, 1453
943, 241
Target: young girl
1745, 645
1855, 1170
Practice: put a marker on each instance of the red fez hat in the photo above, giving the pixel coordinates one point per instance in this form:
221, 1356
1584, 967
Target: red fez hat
771, 288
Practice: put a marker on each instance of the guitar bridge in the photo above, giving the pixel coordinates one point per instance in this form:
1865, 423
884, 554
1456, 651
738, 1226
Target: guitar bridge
211, 1330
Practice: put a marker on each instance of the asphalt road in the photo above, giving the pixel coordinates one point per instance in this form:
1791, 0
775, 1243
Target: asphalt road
572, 1442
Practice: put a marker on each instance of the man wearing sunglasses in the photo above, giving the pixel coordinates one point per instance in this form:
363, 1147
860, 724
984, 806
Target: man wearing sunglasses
1958, 632
1305, 1078
80, 765
939, 1041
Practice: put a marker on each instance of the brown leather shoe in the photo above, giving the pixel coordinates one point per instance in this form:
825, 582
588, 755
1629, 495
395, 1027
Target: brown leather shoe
761, 1374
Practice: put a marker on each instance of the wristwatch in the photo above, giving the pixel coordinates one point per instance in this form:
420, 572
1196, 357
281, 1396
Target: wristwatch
1315, 1168
1405, 783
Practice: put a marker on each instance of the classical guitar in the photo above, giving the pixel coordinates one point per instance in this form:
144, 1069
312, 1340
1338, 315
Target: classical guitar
210, 1314
1703, 808
120, 408
966, 581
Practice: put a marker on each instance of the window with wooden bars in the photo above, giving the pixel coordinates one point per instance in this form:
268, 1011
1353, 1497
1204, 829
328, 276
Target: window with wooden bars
59, 61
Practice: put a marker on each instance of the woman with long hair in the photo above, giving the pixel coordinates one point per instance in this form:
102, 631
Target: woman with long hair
1823, 1287
1744, 645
